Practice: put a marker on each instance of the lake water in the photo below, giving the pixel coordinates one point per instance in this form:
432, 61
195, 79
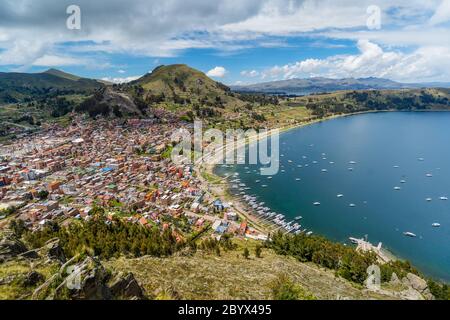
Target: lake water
389, 150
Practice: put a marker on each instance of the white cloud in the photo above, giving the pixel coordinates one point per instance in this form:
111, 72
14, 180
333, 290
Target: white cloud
121, 80
115, 26
423, 64
121, 71
249, 73
57, 61
442, 13
217, 72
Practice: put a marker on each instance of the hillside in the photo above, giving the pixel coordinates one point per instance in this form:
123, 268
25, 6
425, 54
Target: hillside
320, 84
17, 87
374, 100
183, 85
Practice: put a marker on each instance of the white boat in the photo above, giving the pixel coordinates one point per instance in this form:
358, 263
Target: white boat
421, 159
264, 186
297, 179
428, 199
409, 234
309, 233
443, 198
435, 225
397, 188
352, 162
402, 181
350, 169
429, 175
352, 205
396, 167
298, 218
340, 195
324, 170
316, 203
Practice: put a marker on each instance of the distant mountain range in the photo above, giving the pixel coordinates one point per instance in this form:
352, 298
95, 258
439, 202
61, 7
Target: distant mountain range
319, 85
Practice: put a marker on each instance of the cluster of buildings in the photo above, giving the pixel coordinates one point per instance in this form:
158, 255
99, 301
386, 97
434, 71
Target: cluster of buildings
61, 174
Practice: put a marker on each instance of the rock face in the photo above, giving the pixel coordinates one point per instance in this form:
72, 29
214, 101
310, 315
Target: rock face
126, 287
84, 281
11, 247
418, 284
54, 251
33, 278
89, 280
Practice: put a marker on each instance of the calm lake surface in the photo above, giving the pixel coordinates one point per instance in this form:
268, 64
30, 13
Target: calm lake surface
385, 151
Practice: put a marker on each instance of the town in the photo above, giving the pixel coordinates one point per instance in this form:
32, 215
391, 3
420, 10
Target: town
62, 174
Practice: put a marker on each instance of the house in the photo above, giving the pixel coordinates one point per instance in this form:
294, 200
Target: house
218, 205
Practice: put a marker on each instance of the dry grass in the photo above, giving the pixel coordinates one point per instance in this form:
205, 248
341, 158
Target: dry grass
231, 276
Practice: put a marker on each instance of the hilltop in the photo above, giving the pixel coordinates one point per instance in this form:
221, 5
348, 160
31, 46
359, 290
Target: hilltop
16, 87
181, 84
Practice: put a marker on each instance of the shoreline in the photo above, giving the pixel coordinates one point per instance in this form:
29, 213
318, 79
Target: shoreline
241, 208
221, 190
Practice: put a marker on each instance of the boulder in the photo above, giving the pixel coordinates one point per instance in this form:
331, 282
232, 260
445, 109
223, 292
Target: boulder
126, 287
33, 278
31, 254
394, 279
11, 247
84, 281
54, 251
418, 284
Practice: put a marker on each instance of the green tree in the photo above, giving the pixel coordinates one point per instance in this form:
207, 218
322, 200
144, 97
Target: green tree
258, 250
246, 253
283, 288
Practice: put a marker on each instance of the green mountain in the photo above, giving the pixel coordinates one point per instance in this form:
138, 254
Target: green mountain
182, 84
17, 87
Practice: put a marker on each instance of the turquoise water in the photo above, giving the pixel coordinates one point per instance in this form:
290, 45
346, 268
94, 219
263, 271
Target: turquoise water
386, 148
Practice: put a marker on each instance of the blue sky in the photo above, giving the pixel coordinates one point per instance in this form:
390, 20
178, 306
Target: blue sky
236, 42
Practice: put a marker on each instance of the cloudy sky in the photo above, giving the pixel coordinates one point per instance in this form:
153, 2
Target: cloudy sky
234, 41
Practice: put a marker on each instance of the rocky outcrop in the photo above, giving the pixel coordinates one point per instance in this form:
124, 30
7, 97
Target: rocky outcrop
126, 287
84, 281
11, 247
88, 279
418, 284
33, 278
54, 251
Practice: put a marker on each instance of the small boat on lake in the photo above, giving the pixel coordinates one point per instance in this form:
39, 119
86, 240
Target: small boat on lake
409, 234
435, 225
316, 203
443, 198
340, 195
352, 205
397, 188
